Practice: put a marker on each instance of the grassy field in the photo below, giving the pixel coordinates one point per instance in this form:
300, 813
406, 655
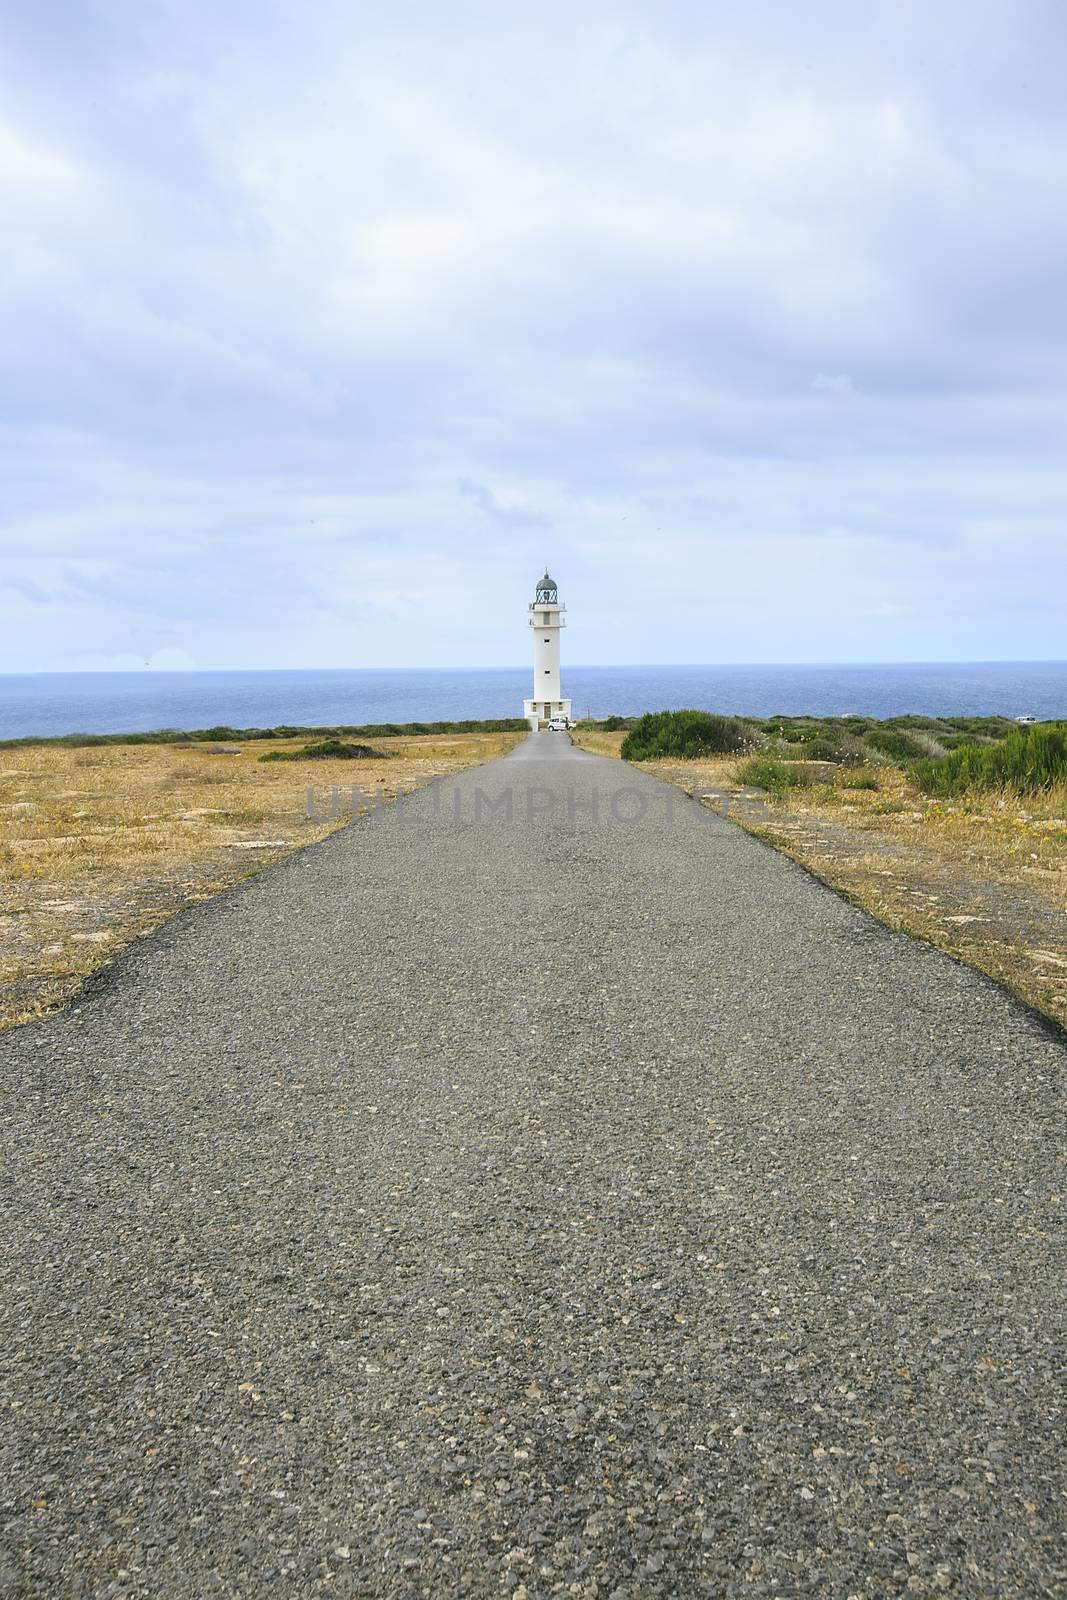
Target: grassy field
99, 843
982, 875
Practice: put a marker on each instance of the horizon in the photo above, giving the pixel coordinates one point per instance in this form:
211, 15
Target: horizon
577, 666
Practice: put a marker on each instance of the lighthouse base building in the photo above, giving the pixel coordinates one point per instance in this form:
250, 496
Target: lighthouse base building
546, 620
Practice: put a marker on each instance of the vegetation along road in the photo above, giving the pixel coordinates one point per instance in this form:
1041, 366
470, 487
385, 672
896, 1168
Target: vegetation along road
581, 1201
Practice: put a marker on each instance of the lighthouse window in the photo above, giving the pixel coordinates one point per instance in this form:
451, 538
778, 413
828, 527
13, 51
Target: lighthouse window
547, 670
548, 641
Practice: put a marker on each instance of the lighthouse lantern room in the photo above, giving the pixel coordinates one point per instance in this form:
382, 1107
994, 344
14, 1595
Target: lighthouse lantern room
546, 620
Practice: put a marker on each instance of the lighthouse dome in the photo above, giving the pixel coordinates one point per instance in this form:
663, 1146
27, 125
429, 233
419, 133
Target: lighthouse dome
546, 592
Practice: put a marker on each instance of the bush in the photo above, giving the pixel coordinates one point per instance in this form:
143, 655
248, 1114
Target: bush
952, 741
845, 751
328, 750
981, 728
832, 746
614, 724
765, 772
858, 778
898, 744
976, 727
1028, 760
685, 734
822, 749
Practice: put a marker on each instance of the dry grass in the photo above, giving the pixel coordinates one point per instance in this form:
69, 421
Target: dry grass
98, 845
983, 877
599, 742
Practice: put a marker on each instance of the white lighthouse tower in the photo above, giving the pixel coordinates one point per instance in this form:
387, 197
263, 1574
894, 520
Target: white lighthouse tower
546, 620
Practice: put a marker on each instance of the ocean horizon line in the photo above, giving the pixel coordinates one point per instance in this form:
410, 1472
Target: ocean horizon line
577, 666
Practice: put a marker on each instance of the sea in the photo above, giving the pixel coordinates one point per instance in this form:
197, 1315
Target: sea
49, 703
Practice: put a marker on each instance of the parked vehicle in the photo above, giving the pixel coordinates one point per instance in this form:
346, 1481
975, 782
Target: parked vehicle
558, 724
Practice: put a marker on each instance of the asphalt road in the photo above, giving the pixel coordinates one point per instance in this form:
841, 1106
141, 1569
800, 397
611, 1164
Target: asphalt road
586, 1203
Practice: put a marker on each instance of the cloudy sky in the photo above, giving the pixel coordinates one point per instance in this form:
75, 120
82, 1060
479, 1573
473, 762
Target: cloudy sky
326, 326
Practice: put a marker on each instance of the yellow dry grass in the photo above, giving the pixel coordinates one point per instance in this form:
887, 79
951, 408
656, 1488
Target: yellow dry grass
983, 877
995, 837
99, 844
596, 740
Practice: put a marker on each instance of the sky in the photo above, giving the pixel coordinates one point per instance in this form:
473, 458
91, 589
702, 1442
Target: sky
325, 327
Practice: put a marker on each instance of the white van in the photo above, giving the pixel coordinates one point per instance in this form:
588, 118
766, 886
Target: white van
558, 723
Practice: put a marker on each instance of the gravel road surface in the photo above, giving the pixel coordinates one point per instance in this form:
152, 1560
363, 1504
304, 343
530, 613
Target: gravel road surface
581, 1202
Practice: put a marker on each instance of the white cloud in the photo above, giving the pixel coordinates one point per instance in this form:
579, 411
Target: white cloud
312, 324
838, 383
37, 180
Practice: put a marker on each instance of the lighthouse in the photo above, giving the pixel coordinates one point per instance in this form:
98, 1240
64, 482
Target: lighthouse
546, 620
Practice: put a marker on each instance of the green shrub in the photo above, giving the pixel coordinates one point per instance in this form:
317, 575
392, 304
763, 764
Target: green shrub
913, 722
822, 749
614, 724
853, 753
839, 748
1028, 760
765, 772
328, 750
858, 778
684, 733
845, 751
808, 732
952, 741
898, 743
977, 727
